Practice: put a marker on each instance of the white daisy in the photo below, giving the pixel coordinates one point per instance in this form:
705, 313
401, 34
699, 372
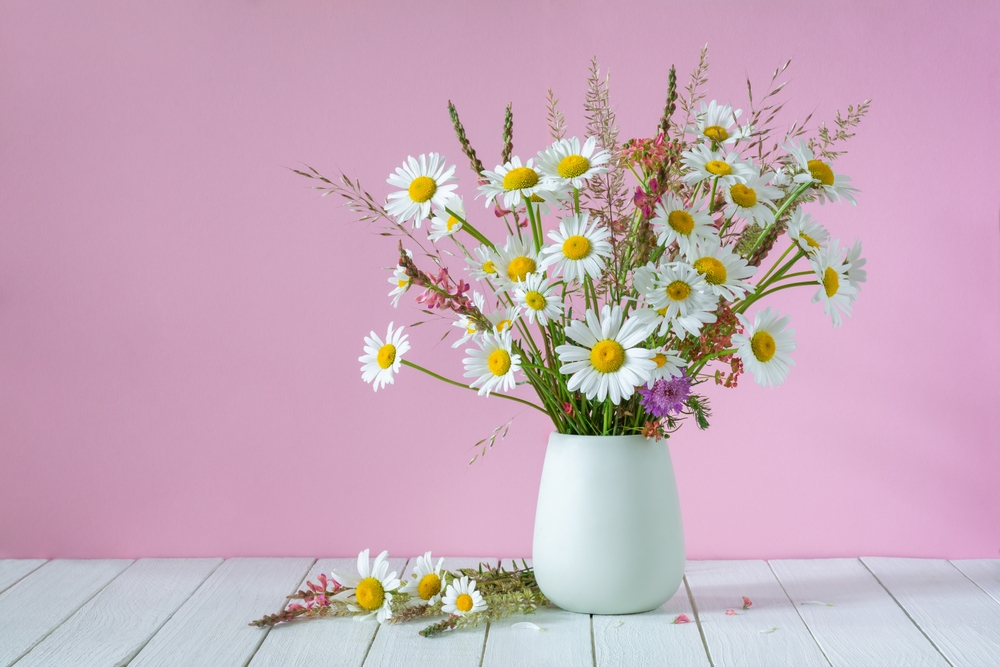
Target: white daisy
493, 364
552, 198
444, 223
704, 164
687, 225
715, 124
836, 291
578, 249
753, 200
461, 597
668, 365
469, 329
424, 182
806, 232
764, 347
512, 180
515, 261
482, 264
608, 365
499, 320
566, 163
724, 270
371, 589
855, 274
680, 297
426, 583
400, 284
832, 187
538, 299
381, 361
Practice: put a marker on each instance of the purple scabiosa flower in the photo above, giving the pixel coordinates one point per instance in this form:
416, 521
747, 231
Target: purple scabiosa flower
666, 396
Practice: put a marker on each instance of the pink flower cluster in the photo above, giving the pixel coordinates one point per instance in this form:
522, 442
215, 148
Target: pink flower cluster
321, 594
449, 295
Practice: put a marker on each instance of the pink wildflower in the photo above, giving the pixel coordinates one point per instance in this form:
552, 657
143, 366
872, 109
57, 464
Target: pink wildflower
682, 618
730, 612
746, 602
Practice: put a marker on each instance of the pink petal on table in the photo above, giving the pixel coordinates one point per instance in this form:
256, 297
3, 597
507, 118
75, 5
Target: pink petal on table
682, 618
746, 602
730, 612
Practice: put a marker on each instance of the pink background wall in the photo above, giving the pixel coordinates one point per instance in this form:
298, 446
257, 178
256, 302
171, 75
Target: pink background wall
180, 317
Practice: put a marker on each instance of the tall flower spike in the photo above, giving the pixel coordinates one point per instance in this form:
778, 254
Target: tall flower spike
470, 152
671, 105
508, 135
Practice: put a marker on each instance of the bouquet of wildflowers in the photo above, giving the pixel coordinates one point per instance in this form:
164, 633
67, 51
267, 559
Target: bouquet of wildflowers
615, 278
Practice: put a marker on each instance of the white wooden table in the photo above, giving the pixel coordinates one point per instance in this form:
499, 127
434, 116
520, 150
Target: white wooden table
192, 612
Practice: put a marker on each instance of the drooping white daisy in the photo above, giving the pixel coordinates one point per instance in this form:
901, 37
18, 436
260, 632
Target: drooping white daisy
856, 274
567, 163
425, 181
724, 271
668, 365
552, 199
680, 297
512, 180
426, 584
444, 223
371, 589
752, 200
515, 261
715, 124
538, 299
687, 225
493, 364
461, 598
806, 232
831, 187
483, 263
835, 291
607, 363
578, 249
704, 164
764, 347
381, 361
470, 331
400, 284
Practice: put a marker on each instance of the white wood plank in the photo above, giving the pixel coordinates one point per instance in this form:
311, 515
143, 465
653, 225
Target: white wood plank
401, 644
14, 570
984, 572
865, 626
954, 613
331, 642
565, 642
651, 638
740, 639
118, 621
39, 603
211, 629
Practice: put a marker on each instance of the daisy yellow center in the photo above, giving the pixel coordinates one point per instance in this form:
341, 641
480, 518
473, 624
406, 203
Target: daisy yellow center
501, 325
662, 312
489, 267
821, 171
470, 330
607, 356
499, 362
452, 221
520, 267
742, 195
660, 359
810, 241
681, 222
718, 167
386, 355
572, 166
576, 247
370, 593
831, 282
429, 586
713, 270
716, 133
422, 188
535, 199
678, 290
535, 300
520, 178
463, 602
402, 283
762, 345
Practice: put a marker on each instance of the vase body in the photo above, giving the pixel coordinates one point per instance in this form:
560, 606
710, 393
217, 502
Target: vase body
608, 534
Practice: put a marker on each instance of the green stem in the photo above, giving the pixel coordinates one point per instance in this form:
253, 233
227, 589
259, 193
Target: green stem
711, 197
777, 214
471, 230
701, 363
465, 386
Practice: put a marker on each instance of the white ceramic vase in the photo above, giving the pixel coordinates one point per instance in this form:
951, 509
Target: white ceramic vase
608, 533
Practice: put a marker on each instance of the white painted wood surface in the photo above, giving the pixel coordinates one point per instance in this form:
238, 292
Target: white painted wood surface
211, 629
865, 626
954, 613
39, 603
746, 637
117, 622
14, 570
330, 642
397, 645
984, 573
650, 639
